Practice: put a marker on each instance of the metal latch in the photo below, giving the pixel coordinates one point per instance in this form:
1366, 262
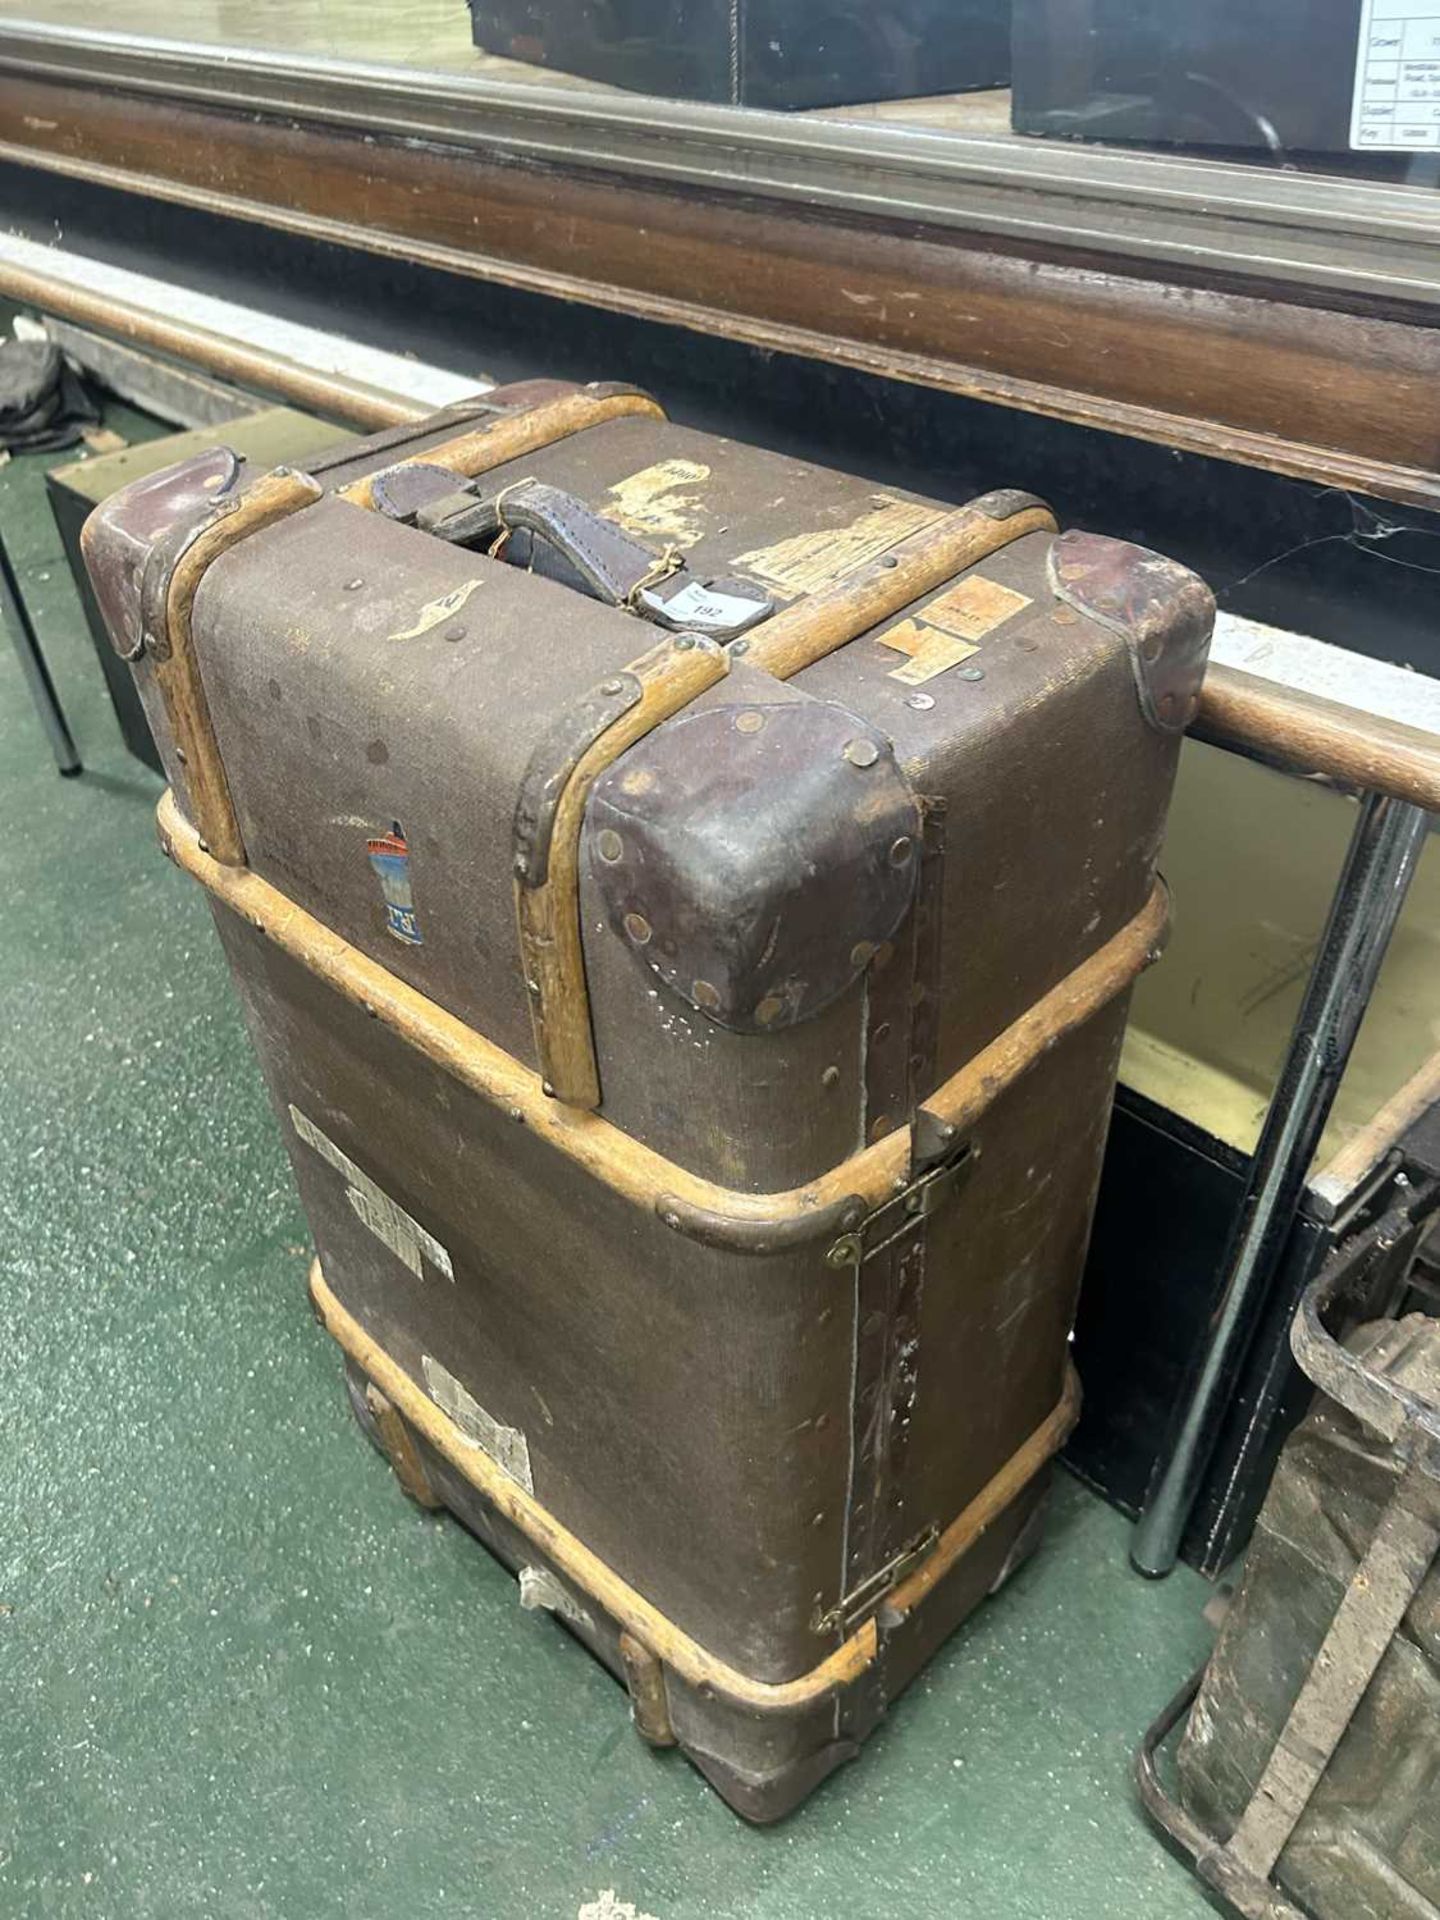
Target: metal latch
850, 1607
921, 1196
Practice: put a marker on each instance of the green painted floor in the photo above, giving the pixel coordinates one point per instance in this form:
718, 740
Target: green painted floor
240, 1675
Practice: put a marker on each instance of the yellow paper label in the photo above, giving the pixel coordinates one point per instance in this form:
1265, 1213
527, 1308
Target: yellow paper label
973, 607
661, 501
930, 651
806, 562
943, 634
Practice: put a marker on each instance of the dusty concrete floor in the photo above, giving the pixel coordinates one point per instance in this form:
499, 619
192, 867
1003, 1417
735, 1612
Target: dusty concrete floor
240, 1675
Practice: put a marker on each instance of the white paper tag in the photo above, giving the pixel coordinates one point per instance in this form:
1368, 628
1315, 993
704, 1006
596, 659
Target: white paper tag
1397, 77
386, 1218
706, 611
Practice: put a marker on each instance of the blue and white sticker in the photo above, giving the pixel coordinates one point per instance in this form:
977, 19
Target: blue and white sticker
390, 857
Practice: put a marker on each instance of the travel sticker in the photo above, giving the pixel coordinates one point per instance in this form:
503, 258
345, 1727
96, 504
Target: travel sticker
390, 857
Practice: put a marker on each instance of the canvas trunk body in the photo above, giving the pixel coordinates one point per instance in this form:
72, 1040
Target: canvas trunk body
694, 1043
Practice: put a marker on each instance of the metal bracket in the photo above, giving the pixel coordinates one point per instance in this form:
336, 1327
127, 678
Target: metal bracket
911, 1207
848, 1609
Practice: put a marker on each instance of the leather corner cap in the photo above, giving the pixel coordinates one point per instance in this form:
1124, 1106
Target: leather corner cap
1163, 611
756, 858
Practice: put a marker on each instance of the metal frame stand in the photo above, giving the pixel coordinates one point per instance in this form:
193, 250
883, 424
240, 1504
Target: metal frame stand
16, 616
1374, 881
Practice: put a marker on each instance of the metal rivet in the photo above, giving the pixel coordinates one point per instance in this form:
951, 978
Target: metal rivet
180, 756
770, 1008
704, 995
517, 1114
613, 687
901, 850
879, 1128
738, 647
672, 1220
972, 673
455, 633
862, 753
684, 642
533, 987
610, 846
830, 1077
354, 586
638, 928
522, 865
204, 845
749, 722
844, 1253
889, 561
882, 1032
818, 1520
547, 1087
862, 953
922, 702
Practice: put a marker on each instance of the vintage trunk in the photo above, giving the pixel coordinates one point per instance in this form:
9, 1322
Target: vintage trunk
685, 903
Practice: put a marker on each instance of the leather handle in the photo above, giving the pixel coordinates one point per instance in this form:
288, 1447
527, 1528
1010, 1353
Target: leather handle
613, 565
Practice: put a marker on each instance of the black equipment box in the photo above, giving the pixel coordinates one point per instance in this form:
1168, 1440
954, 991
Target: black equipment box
759, 53
1302, 76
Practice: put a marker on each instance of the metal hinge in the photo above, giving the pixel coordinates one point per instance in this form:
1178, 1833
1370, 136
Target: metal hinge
911, 1207
847, 1611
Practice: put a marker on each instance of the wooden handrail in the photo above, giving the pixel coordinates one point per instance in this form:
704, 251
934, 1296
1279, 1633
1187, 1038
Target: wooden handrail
1307, 734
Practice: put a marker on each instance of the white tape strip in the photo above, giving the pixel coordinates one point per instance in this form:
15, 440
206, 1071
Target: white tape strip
386, 1218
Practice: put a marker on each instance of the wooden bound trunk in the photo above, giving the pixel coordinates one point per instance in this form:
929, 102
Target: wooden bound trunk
685, 903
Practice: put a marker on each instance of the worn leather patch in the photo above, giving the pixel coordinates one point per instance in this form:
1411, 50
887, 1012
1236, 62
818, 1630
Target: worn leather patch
1164, 612
755, 858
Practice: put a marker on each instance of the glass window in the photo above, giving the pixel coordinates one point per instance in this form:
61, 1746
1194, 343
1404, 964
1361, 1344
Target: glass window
1333, 86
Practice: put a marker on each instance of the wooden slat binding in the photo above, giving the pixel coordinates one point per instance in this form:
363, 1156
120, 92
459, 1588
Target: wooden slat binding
790, 641
645, 1680
177, 673
511, 436
738, 1221
548, 913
